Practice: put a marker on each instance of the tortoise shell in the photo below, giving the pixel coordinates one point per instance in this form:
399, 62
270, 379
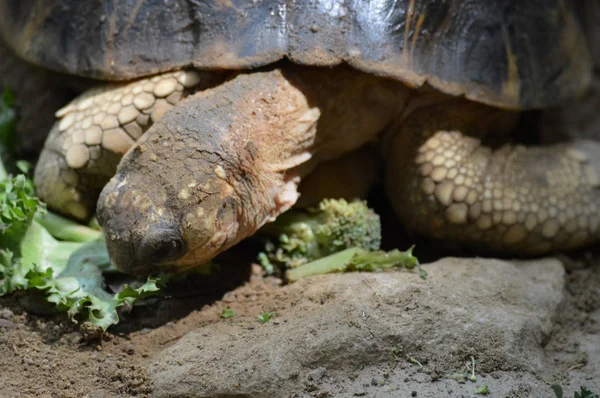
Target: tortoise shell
508, 53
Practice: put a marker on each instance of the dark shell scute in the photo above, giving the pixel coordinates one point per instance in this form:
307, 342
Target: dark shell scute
512, 53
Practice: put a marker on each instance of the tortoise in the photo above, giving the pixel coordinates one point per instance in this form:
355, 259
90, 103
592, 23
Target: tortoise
213, 111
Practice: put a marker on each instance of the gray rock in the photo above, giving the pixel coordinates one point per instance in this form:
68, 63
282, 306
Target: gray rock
393, 328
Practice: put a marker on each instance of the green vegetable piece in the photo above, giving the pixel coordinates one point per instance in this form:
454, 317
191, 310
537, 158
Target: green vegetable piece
585, 393
558, 391
265, 317
472, 377
79, 289
355, 259
65, 229
303, 236
227, 313
483, 390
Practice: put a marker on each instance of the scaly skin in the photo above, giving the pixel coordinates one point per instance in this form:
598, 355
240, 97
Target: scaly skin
96, 129
226, 160
444, 180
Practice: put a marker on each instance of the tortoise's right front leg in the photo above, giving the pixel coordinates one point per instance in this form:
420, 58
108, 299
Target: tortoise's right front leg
445, 180
94, 131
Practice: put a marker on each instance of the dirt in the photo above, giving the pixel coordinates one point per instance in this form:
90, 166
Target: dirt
48, 356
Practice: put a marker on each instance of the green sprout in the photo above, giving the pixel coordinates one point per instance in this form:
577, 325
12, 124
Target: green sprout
227, 313
265, 316
483, 390
472, 377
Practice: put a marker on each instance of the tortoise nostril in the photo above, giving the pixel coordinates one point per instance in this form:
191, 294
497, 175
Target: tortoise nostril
160, 245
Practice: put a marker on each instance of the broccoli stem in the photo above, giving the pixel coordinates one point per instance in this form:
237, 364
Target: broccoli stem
355, 259
337, 262
65, 229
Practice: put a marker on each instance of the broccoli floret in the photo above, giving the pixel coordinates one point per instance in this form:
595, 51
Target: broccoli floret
304, 236
337, 236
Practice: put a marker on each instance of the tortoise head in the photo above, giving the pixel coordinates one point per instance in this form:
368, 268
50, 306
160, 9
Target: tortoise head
169, 208
204, 176
175, 200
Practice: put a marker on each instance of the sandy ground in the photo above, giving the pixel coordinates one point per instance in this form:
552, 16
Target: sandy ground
48, 356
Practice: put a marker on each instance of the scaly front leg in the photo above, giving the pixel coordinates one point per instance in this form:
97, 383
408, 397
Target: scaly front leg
445, 181
95, 130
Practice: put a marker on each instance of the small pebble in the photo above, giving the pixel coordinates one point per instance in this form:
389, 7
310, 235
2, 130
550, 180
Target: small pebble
5, 313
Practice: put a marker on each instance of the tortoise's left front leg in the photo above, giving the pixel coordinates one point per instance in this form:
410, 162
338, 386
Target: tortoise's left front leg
444, 180
93, 132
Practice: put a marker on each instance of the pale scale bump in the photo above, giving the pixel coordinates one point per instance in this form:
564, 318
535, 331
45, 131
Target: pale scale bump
220, 172
69, 177
161, 107
592, 176
93, 135
438, 174
428, 186
98, 118
66, 122
514, 234
137, 89
133, 129
472, 197
86, 123
143, 101
484, 222
509, 217
457, 213
64, 110
116, 140
497, 217
127, 100
77, 156
114, 108
487, 206
576, 154
549, 229
142, 120
475, 211
149, 87
562, 218
109, 122
438, 160
189, 78
95, 152
426, 169
460, 193
443, 193
78, 137
165, 87
542, 215
175, 97
127, 114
